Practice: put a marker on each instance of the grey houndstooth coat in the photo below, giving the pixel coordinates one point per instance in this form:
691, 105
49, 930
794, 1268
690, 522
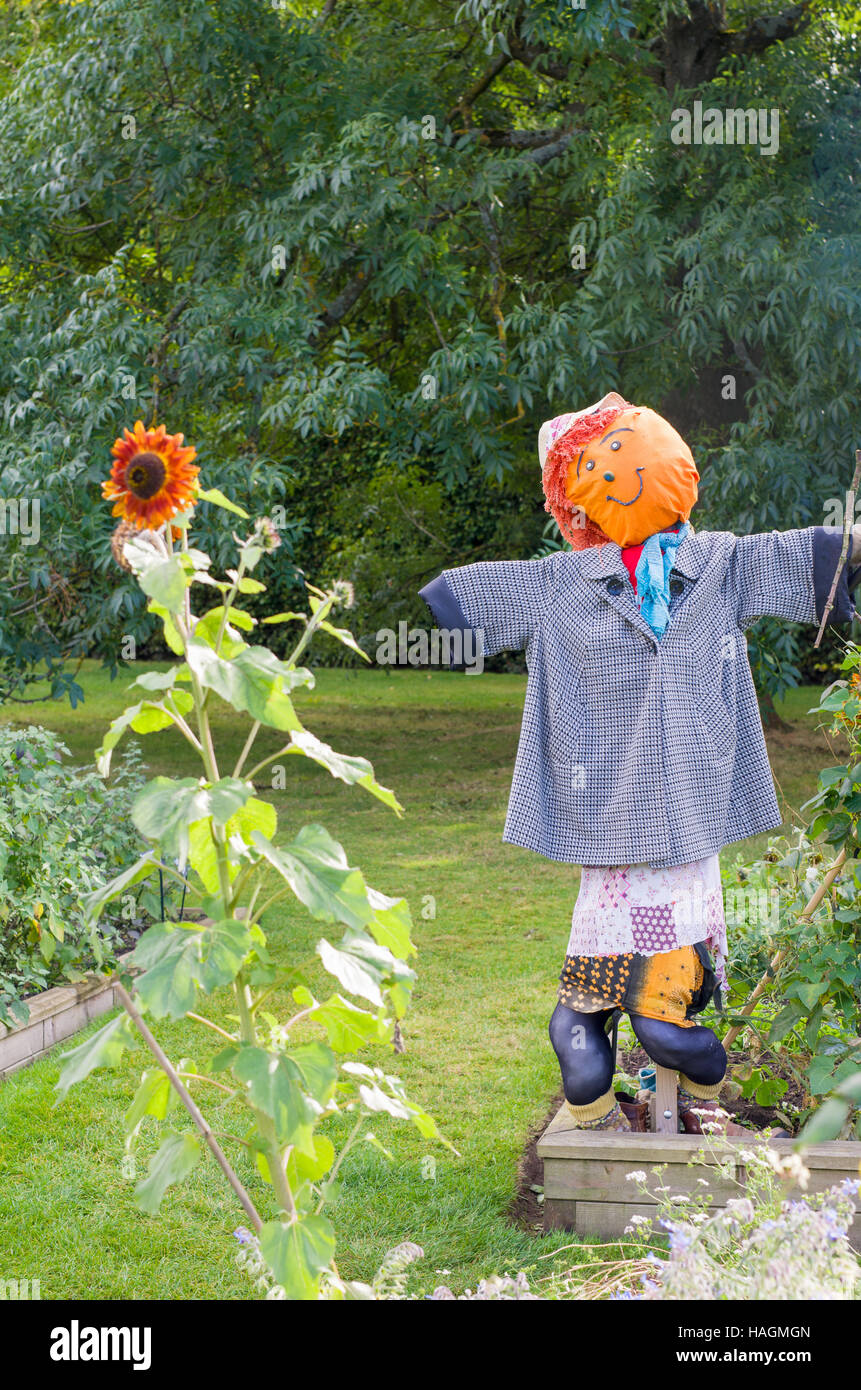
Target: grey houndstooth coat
634, 749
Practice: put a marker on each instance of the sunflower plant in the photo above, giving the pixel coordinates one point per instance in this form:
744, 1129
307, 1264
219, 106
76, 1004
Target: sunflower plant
278, 1084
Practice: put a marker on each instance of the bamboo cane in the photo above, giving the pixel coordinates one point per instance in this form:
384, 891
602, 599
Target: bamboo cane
173, 1077
847, 531
778, 958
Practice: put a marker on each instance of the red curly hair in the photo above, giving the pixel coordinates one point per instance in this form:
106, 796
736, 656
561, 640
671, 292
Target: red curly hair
574, 524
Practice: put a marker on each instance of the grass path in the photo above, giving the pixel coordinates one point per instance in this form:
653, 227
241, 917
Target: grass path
491, 925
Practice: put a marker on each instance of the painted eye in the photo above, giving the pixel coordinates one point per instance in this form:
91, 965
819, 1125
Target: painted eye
590, 465
610, 477
617, 444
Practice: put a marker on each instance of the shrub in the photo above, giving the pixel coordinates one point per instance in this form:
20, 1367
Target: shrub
63, 833
796, 919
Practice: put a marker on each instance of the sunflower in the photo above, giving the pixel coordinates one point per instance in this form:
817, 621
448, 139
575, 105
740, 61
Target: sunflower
152, 477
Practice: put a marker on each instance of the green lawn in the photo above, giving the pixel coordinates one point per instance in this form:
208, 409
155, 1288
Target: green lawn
491, 924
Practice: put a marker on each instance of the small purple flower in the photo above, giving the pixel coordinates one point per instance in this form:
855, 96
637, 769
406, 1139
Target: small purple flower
243, 1235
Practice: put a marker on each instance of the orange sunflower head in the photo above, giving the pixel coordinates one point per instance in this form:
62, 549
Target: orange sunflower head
152, 478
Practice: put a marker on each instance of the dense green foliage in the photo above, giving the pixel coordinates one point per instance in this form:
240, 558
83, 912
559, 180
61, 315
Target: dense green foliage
239, 217
63, 833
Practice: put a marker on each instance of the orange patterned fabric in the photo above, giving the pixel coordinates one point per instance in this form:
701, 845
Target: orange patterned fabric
667, 986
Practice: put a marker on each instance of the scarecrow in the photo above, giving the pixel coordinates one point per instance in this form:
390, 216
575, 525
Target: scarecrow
641, 750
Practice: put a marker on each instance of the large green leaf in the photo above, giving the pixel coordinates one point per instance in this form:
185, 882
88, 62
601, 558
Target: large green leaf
364, 967
348, 1027
166, 582
254, 681
178, 959
135, 873
820, 1074
786, 1019
315, 866
218, 499
824, 1125
850, 1088
391, 923
207, 628
356, 771
203, 856
344, 636
165, 808
254, 815
159, 680
808, 991
172, 634
154, 1096
317, 1069
147, 717
303, 1168
104, 1049
297, 1252
356, 976
178, 1156
274, 1084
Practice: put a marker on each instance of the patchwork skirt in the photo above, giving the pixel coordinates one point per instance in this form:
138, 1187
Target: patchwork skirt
671, 985
641, 937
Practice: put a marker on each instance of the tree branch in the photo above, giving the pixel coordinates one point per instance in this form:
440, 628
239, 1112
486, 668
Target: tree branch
340, 306
464, 104
694, 45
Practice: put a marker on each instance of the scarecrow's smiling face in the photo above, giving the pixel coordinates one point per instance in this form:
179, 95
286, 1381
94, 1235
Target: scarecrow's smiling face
635, 478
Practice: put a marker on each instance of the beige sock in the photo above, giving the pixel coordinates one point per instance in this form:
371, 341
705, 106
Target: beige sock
596, 1110
698, 1091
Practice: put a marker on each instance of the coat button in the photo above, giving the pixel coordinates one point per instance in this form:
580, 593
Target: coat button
676, 587
614, 586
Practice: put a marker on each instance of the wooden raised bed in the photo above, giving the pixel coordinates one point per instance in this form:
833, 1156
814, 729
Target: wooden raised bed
54, 1016
586, 1189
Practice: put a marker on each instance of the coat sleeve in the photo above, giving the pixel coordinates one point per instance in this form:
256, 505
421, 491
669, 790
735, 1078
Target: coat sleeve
788, 574
501, 601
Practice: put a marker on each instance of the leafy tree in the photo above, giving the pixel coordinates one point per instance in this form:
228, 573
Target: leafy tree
411, 231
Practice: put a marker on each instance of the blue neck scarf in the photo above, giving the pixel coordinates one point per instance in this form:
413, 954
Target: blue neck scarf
653, 576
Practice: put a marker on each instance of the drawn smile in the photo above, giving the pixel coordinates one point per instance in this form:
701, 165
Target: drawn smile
639, 473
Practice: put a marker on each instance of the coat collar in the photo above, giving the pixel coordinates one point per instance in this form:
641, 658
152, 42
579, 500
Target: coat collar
690, 558
603, 561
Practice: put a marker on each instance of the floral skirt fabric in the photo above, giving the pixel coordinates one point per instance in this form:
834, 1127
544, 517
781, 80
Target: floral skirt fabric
670, 985
635, 910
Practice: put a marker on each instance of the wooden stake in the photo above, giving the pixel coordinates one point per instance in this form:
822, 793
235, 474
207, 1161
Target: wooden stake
847, 531
664, 1106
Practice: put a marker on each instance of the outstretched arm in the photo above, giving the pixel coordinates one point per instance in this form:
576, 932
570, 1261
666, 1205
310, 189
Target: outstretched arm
788, 574
501, 601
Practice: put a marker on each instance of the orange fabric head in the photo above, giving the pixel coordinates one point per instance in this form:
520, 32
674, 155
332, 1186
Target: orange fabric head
625, 469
